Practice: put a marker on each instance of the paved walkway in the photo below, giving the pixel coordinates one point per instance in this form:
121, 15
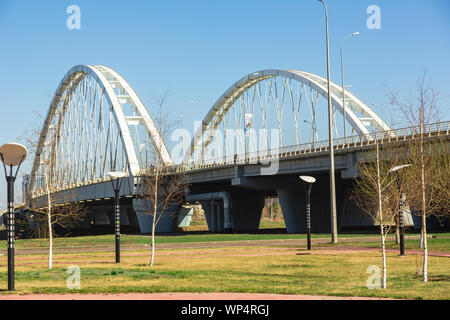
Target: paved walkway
337, 249
180, 296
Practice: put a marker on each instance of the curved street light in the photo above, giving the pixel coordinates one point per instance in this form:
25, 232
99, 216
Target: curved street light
400, 204
308, 185
12, 155
116, 184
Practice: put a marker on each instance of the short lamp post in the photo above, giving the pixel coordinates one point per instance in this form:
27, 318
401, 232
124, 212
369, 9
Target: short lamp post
400, 204
308, 185
116, 184
12, 155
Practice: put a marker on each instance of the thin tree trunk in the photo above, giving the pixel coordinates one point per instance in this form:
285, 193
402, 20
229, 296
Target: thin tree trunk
380, 208
152, 259
383, 253
49, 220
155, 215
424, 220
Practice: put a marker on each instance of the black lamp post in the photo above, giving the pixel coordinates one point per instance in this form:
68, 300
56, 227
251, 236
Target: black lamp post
116, 184
12, 155
400, 212
308, 185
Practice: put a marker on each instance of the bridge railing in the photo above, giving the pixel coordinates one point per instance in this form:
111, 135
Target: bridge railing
394, 135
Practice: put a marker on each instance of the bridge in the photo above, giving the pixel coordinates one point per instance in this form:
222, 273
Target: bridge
253, 143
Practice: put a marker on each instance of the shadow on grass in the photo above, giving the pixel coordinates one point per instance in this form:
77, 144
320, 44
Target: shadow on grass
439, 278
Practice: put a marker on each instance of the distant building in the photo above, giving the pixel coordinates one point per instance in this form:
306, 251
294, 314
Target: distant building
25, 185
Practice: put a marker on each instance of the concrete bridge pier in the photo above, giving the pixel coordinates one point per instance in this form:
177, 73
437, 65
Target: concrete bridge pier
246, 210
292, 201
214, 214
167, 222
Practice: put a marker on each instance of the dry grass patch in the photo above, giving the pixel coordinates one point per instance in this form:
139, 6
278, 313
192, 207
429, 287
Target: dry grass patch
242, 269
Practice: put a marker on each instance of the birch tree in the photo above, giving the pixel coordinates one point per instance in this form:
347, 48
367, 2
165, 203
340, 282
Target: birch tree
428, 181
160, 186
375, 193
63, 215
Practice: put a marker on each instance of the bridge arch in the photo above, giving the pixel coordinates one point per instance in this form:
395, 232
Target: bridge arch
358, 114
95, 123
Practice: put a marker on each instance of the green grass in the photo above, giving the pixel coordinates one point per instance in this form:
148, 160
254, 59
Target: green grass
267, 224
440, 243
231, 270
108, 240
161, 239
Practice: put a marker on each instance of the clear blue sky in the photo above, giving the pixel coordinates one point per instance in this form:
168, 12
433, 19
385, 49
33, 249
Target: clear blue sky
197, 49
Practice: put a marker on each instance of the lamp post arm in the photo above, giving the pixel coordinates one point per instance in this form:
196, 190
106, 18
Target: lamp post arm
18, 167
4, 166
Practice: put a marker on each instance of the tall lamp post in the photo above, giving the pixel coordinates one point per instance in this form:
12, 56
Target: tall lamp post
308, 185
116, 184
331, 143
354, 34
12, 155
400, 203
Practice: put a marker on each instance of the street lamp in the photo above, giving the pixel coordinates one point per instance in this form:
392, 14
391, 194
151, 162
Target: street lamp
400, 204
12, 155
116, 184
354, 34
309, 181
330, 134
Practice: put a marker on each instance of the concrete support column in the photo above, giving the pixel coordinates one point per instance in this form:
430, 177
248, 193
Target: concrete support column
228, 219
246, 210
207, 209
167, 223
292, 202
217, 208
219, 215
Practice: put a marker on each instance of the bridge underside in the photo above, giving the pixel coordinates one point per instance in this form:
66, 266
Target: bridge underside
246, 189
247, 201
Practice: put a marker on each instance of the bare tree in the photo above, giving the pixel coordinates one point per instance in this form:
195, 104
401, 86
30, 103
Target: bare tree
161, 187
375, 193
61, 215
426, 183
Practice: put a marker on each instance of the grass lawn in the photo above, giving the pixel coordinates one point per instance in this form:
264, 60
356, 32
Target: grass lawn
162, 239
231, 270
440, 243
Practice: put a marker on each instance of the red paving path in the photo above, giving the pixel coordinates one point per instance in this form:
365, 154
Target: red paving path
179, 296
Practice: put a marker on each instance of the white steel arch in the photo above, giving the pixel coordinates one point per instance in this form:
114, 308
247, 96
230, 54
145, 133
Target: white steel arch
207, 130
87, 98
